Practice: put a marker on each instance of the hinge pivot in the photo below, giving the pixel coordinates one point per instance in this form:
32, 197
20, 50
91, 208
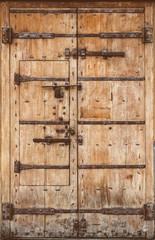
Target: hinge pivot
16, 79
6, 35
7, 211
80, 139
149, 211
147, 35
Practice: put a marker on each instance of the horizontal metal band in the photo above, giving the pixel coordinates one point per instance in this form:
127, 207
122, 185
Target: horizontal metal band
110, 166
33, 79
20, 167
111, 79
111, 11
41, 211
115, 211
42, 11
29, 35
79, 11
111, 122
52, 211
33, 35
50, 140
148, 211
44, 122
113, 35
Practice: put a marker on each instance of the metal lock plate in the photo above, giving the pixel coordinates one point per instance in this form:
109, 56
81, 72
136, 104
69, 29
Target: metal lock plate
58, 92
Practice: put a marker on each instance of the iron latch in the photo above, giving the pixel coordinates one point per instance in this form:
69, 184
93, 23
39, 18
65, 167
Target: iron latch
6, 35
83, 53
49, 140
147, 35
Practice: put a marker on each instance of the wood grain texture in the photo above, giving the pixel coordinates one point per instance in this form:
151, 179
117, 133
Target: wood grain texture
5, 119
119, 101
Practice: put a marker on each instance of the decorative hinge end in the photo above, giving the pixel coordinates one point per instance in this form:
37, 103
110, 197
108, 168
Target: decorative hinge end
147, 35
6, 35
7, 211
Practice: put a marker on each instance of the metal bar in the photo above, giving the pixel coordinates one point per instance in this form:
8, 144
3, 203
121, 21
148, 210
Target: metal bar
115, 211
19, 166
41, 211
111, 79
103, 54
110, 166
31, 79
113, 35
41, 11
111, 122
111, 11
50, 140
44, 122
52, 211
29, 35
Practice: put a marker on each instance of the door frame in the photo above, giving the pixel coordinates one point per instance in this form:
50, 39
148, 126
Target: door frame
5, 91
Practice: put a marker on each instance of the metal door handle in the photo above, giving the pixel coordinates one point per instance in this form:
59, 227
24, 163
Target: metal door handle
50, 140
83, 53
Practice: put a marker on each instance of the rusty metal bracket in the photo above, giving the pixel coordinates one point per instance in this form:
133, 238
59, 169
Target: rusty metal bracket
7, 211
6, 35
147, 35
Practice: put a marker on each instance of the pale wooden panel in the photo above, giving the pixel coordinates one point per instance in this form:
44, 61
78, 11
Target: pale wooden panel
149, 64
59, 177
100, 188
65, 22
110, 22
132, 65
100, 100
5, 118
61, 225
112, 144
56, 153
105, 226
38, 103
28, 226
128, 100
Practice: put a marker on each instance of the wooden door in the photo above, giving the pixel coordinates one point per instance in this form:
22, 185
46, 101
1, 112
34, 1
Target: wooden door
80, 118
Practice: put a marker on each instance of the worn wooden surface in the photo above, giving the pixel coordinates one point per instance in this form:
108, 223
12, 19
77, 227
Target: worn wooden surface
113, 101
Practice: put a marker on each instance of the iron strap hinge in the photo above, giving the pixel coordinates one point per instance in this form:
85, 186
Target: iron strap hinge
8, 35
148, 211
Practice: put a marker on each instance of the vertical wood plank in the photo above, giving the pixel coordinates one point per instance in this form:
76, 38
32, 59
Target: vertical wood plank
149, 117
5, 119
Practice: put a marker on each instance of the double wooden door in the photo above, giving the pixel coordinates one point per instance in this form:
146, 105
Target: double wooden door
80, 119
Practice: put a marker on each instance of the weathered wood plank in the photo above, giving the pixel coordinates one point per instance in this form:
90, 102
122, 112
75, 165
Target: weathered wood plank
5, 119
